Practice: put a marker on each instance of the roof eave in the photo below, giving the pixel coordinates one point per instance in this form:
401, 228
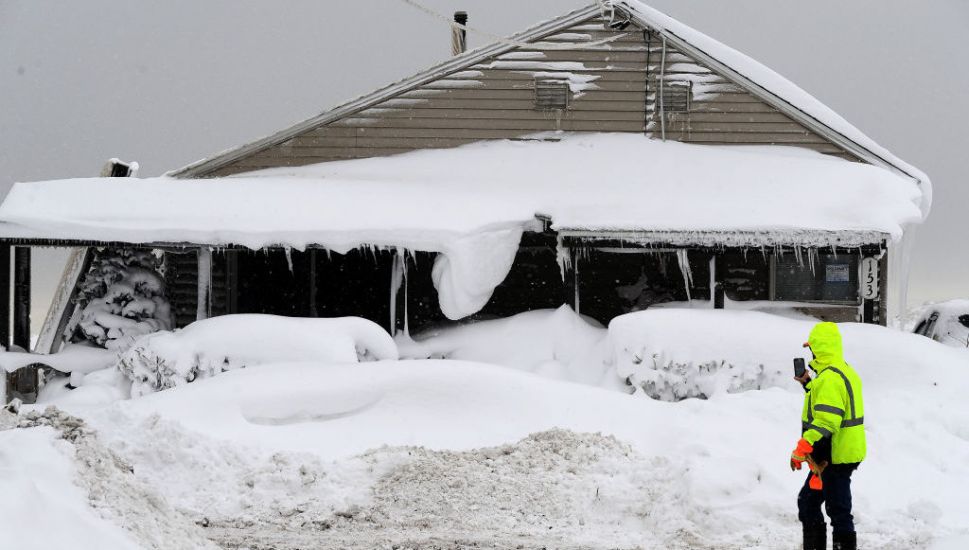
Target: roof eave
749, 238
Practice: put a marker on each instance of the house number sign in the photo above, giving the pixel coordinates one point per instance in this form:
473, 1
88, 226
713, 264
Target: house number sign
869, 278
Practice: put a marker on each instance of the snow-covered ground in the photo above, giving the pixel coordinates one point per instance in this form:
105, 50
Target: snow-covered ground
485, 449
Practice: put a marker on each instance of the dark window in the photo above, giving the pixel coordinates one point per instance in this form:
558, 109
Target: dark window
832, 278
551, 94
744, 276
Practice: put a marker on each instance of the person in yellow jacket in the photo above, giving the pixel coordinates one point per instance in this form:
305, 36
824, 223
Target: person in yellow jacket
832, 441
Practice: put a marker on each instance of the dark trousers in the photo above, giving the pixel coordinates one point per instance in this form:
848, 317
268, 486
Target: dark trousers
835, 495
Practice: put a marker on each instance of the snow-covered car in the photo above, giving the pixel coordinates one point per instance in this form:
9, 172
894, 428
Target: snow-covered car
946, 322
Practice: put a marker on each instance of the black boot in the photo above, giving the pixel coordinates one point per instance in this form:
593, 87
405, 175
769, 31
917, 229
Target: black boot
815, 536
844, 541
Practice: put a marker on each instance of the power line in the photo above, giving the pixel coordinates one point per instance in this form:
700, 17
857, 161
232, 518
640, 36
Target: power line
502, 40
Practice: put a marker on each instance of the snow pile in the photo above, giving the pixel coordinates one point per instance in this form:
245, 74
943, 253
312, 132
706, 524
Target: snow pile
121, 298
557, 486
553, 343
206, 348
946, 322
243, 485
376, 454
63, 489
674, 354
72, 358
704, 472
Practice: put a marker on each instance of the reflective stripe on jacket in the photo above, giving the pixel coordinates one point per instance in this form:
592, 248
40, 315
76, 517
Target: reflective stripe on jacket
833, 405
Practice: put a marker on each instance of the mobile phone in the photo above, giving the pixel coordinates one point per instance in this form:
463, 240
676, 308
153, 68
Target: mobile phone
798, 367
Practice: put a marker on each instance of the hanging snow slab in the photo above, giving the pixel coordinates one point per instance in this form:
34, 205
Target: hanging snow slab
471, 203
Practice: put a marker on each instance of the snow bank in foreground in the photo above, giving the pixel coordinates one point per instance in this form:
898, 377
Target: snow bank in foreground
37, 474
206, 348
313, 454
63, 489
553, 343
705, 473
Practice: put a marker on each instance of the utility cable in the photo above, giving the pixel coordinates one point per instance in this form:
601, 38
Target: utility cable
502, 40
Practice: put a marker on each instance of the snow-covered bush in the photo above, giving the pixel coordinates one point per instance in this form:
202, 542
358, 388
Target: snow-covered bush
674, 354
122, 297
209, 347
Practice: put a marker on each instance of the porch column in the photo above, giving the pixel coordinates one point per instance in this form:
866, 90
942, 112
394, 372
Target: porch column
21, 297
5, 295
870, 290
314, 310
716, 288
204, 303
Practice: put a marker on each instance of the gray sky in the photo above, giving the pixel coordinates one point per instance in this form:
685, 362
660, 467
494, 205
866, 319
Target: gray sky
166, 83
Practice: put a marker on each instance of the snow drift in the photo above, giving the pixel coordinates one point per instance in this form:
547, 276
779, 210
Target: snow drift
206, 348
553, 343
317, 454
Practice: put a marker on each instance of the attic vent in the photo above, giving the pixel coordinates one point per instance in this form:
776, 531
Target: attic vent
676, 97
551, 94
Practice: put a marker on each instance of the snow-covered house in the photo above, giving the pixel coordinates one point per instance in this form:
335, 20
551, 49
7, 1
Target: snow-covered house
611, 158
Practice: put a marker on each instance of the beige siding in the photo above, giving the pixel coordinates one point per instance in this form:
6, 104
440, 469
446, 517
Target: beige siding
613, 89
720, 112
494, 99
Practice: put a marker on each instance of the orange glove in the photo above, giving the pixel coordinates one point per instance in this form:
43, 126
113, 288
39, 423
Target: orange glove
815, 482
800, 454
816, 468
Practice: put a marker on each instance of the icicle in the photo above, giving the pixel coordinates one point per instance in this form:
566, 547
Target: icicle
564, 257
289, 258
684, 260
798, 257
204, 296
812, 258
396, 278
406, 315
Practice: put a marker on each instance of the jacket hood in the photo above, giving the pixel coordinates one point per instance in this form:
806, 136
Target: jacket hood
825, 342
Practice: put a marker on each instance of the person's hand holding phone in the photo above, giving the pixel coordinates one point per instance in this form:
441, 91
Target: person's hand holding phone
801, 373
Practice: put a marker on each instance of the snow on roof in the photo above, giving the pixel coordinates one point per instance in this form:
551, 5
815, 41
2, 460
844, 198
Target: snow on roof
773, 84
605, 182
472, 203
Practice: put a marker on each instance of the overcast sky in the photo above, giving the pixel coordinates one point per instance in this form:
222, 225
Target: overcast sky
166, 83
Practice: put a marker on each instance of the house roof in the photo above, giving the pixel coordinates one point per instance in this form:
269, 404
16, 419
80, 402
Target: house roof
746, 72
682, 193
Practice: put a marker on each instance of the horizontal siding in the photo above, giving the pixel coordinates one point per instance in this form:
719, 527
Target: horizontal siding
721, 113
615, 86
494, 99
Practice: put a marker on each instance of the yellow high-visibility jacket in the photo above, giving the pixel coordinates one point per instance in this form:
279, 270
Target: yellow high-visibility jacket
833, 406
